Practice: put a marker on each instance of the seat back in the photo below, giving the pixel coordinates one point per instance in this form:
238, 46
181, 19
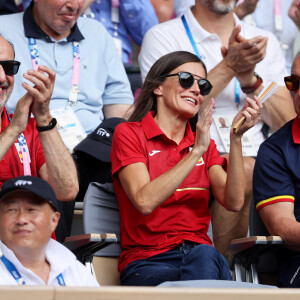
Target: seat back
256, 225
101, 214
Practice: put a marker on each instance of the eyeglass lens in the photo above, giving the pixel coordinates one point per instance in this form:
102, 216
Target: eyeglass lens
10, 67
187, 80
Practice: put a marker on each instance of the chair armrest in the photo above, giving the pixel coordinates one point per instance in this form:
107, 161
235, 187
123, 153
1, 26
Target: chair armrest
274, 240
244, 248
86, 245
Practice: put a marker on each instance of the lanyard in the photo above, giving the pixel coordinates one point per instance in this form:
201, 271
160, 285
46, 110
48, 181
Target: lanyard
25, 152
74, 89
189, 33
277, 15
115, 17
13, 271
17, 276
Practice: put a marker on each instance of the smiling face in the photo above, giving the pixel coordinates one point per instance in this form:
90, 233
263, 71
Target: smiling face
57, 17
172, 98
6, 82
26, 222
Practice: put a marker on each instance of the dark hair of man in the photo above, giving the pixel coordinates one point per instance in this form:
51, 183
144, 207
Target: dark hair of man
146, 101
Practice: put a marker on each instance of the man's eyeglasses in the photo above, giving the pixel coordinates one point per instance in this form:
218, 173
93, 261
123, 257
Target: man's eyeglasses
292, 82
10, 67
187, 79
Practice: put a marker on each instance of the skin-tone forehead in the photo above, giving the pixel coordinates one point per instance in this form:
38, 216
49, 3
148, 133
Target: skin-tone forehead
6, 48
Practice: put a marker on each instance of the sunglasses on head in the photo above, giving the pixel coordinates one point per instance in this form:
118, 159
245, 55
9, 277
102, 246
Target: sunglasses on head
292, 82
187, 79
10, 67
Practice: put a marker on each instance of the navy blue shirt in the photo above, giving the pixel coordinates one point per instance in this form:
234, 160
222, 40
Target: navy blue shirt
276, 175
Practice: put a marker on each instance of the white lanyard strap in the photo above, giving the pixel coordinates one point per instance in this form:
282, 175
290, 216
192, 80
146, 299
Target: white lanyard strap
115, 15
277, 15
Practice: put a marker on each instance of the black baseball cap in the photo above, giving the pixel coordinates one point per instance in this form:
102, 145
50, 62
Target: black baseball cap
98, 143
35, 185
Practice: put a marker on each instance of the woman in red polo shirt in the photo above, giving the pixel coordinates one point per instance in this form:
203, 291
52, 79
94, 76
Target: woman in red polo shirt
164, 167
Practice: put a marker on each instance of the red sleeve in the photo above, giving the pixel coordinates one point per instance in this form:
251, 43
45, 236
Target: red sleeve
214, 157
127, 146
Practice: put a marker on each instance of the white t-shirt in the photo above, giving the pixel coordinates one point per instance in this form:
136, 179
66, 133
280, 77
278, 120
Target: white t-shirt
171, 36
62, 261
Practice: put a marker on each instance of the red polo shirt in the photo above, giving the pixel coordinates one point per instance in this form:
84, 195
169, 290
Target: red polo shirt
11, 165
183, 216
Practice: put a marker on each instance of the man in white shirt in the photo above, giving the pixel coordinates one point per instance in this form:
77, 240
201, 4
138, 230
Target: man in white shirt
234, 54
28, 254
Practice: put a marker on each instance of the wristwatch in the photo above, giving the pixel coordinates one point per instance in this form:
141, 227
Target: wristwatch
47, 127
252, 89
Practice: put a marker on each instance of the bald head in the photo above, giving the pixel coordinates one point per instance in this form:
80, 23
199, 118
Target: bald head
4, 41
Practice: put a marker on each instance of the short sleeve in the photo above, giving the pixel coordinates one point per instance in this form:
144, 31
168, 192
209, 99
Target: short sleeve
272, 181
127, 146
214, 157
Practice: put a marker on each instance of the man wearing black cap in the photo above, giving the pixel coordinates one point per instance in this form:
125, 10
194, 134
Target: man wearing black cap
28, 216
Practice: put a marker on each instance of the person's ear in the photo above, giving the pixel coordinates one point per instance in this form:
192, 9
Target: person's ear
158, 90
54, 220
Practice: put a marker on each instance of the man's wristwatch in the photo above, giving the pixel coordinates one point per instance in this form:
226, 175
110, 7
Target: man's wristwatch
252, 89
47, 127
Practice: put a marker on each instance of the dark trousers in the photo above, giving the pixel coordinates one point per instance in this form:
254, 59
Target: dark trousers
189, 261
289, 269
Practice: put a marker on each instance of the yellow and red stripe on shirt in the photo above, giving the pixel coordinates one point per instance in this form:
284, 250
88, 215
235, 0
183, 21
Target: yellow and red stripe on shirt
282, 198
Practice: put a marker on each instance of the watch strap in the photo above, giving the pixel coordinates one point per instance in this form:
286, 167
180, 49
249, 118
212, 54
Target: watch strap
252, 89
50, 126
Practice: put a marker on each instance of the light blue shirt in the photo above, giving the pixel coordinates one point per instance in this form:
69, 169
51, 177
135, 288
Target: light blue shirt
102, 81
136, 17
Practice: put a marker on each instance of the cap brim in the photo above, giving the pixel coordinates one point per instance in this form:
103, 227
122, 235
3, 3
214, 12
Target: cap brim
10, 191
95, 148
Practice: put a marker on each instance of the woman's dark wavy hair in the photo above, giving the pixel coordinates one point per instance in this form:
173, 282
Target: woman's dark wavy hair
146, 101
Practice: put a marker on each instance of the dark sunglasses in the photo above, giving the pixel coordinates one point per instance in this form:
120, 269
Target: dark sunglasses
292, 82
187, 79
10, 67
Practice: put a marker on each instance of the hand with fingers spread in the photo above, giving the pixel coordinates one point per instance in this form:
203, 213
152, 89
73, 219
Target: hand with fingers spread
242, 55
202, 140
43, 80
251, 112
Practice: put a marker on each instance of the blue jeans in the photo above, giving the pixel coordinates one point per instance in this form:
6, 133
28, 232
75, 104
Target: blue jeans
188, 261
